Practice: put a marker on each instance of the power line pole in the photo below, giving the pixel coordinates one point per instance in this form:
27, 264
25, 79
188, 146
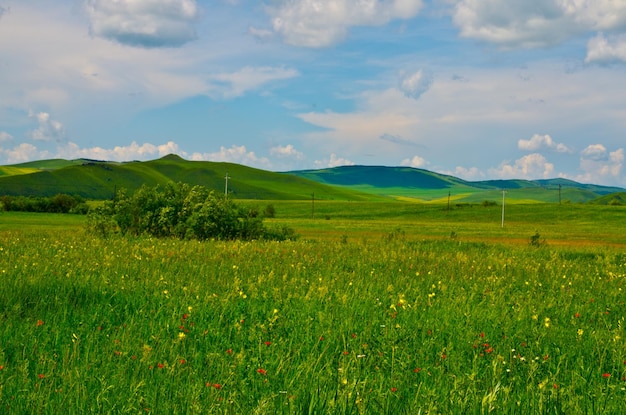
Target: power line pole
226, 186
503, 193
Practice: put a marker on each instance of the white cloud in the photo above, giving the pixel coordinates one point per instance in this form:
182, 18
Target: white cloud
595, 152
47, 129
603, 50
4, 136
542, 142
531, 166
413, 85
320, 23
133, 151
415, 161
22, 153
535, 23
333, 161
234, 154
234, 84
472, 173
602, 166
288, 151
144, 23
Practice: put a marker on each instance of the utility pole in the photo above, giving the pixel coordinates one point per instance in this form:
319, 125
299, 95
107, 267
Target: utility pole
226, 186
503, 193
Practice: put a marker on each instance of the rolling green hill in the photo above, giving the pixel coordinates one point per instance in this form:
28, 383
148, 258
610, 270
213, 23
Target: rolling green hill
411, 183
93, 179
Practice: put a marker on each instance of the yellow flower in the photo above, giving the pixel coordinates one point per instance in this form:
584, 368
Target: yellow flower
580, 332
181, 335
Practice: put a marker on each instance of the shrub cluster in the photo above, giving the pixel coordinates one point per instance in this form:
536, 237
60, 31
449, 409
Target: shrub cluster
60, 203
181, 211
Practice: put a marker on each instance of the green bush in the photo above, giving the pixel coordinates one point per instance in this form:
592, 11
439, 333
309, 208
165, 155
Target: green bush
181, 211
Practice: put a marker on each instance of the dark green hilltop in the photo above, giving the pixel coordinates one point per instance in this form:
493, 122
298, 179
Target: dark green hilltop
99, 180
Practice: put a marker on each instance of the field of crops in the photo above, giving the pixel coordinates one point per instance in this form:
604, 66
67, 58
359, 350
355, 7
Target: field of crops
374, 310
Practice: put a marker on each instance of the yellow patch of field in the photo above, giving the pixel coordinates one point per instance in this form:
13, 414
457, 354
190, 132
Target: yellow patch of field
15, 171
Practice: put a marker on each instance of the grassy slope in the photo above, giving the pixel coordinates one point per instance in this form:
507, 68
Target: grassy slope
100, 180
422, 185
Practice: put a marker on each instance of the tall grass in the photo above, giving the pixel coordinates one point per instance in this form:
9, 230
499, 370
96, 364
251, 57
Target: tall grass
380, 325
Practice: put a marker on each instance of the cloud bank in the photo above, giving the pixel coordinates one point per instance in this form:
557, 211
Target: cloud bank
145, 23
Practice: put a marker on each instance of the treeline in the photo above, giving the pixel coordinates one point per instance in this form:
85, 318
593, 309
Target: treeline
60, 203
181, 211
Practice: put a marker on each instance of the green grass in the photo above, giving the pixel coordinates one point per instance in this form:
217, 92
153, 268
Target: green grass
377, 309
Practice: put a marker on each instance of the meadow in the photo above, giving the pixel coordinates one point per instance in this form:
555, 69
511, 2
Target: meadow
378, 308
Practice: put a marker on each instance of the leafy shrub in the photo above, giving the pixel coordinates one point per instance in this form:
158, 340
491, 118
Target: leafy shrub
181, 211
537, 241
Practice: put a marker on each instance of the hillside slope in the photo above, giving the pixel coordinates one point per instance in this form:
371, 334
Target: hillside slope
100, 180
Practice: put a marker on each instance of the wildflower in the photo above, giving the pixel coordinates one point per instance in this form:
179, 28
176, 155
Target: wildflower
394, 389
606, 375
268, 343
39, 323
181, 335
546, 322
182, 361
262, 371
41, 376
443, 356
1, 367
185, 316
555, 386
345, 352
160, 365
217, 386
577, 315
580, 332
229, 351
417, 370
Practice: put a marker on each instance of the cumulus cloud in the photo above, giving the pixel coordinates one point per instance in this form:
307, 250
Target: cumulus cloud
603, 50
415, 161
535, 23
21, 153
288, 151
333, 161
531, 166
234, 84
542, 142
602, 166
47, 129
414, 84
4, 136
234, 154
320, 23
134, 151
144, 23
471, 173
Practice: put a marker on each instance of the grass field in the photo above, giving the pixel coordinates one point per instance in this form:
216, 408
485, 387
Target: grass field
379, 308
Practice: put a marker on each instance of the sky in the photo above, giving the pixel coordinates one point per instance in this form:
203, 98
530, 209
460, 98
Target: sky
478, 89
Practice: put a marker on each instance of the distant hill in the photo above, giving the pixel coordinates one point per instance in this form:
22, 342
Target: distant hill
412, 183
611, 199
95, 179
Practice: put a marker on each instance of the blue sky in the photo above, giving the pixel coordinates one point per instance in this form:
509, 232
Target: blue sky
479, 89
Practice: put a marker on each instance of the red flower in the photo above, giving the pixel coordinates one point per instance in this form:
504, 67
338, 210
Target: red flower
160, 365
39, 323
217, 386
262, 371
229, 351
546, 357
577, 315
555, 386
443, 356
321, 338
489, 350
268, 343
482, 334
185, 316
606, 375
41, 376
394, 389
182, 361
417, 370
1, 367
353, 335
